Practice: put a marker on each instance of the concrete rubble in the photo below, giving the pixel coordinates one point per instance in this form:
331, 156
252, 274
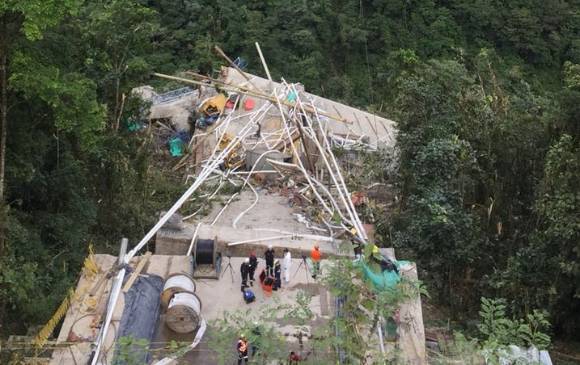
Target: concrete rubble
271, 147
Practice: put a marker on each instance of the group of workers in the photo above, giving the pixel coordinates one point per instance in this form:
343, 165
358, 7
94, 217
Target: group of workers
273, 271
273, 267
243, 346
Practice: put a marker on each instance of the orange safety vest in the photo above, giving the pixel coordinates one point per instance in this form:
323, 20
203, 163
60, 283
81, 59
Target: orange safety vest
242, 346
315, 255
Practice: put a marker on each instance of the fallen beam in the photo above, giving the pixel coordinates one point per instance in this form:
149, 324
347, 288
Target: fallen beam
243, 90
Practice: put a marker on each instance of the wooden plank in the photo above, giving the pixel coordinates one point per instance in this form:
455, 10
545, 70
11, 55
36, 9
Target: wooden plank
232, 64
284, 143
140, 266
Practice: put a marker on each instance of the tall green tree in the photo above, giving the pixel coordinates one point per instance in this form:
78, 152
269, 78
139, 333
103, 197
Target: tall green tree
559, 232
470, 143
27, 18
20, 21
117, 36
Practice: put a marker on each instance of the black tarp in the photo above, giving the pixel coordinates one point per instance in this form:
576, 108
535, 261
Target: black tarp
139, 320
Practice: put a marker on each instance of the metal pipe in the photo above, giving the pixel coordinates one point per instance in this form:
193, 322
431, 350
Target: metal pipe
360, 230
342, 189
263, 61
223, 209
123, 250
298, 156
301, 235
249, 208
111, 305
190, 249
257, 172
260, 239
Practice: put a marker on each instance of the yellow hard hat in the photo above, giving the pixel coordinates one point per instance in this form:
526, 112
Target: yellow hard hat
375, 249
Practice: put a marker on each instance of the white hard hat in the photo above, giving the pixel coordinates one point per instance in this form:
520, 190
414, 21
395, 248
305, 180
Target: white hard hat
247, 260
270, 247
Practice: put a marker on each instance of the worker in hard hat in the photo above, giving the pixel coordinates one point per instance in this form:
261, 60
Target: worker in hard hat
245, 270
269, 257
242, 349
384, 262
253, 266
315, 256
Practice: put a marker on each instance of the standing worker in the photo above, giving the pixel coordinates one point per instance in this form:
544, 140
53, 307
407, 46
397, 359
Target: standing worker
315, 255
253, 266
269, 256
287, 265
358, 250
277, 275
242, 350
245, 270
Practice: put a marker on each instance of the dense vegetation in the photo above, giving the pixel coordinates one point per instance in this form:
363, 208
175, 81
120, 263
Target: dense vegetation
486, 93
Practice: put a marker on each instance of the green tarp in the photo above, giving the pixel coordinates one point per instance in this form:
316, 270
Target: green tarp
176, 147
383, 280
291, 96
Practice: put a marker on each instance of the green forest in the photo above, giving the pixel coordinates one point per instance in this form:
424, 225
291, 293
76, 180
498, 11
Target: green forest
486, 95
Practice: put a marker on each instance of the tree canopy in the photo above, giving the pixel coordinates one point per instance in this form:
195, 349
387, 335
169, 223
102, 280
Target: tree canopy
486, 95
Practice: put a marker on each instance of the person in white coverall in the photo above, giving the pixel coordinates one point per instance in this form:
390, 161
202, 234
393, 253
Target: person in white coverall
287, 265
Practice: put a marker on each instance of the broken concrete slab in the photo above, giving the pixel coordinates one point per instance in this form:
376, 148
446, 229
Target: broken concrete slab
177, 242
